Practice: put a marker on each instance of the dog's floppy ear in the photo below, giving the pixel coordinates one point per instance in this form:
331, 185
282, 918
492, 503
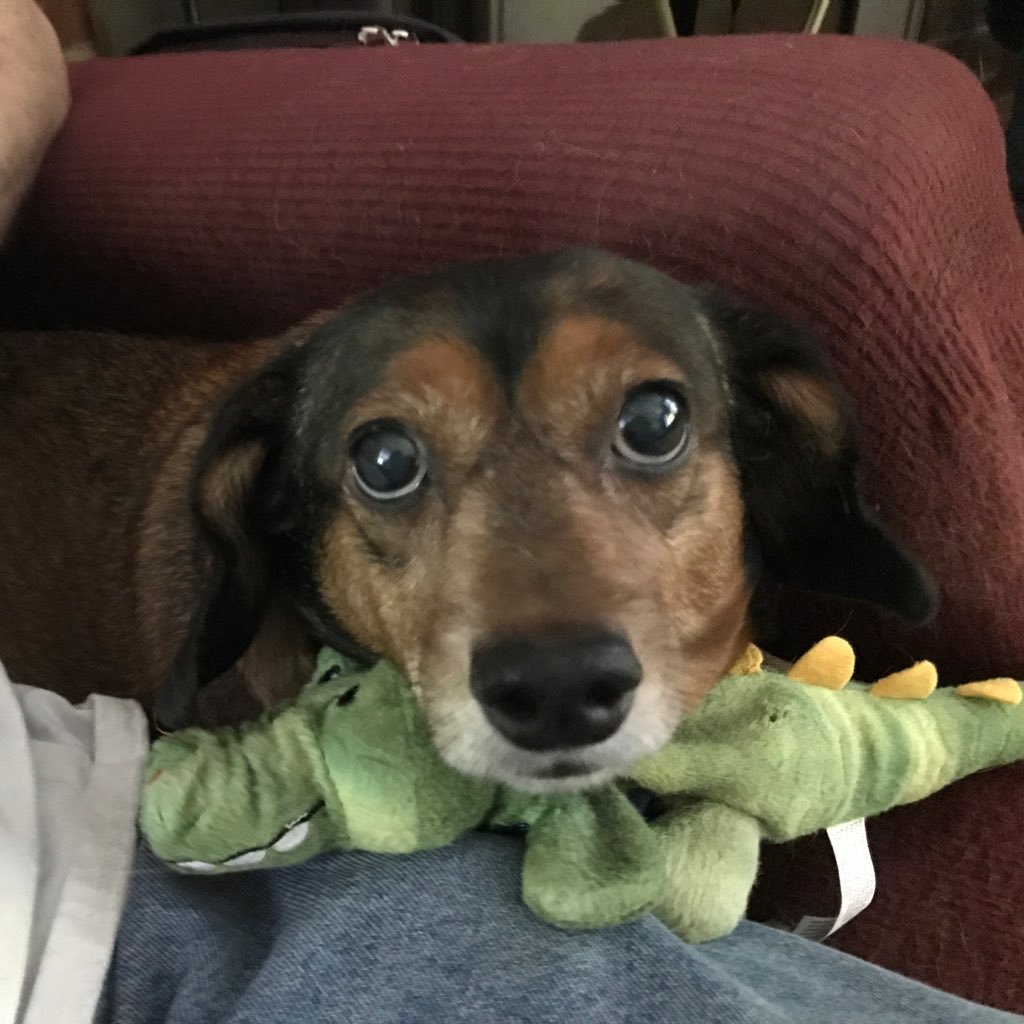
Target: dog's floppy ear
795, 442
229, 502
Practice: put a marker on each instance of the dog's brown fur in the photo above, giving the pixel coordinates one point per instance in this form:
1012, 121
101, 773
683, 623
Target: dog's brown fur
98, 560
178, 511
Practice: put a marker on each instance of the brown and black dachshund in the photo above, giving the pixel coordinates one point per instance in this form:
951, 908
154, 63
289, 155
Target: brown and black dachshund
545, 487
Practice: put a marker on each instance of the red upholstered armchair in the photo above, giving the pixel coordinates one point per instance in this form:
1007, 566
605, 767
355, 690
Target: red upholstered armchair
855, 185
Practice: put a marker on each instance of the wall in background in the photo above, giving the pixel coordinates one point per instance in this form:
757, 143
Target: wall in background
898, 19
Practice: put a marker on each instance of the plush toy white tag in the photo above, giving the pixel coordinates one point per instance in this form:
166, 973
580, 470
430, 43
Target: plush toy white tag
856, 880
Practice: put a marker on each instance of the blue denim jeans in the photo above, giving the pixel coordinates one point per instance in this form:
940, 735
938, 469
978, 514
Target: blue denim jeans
443, 938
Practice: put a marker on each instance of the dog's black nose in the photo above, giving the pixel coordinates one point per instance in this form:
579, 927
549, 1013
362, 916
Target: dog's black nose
549, 691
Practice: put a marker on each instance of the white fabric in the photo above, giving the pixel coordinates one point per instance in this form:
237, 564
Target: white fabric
856, 880
70, 778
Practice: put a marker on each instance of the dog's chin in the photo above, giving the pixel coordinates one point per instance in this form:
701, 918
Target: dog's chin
574, 777
468, 742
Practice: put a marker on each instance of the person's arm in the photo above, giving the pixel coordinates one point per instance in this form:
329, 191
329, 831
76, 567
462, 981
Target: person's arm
34, 99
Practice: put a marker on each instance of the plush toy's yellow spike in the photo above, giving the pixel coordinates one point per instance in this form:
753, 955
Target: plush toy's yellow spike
749, 662
1006, 691
828, 663
912, 683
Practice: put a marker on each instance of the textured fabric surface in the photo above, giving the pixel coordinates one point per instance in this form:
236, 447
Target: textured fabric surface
859, 186
442, 936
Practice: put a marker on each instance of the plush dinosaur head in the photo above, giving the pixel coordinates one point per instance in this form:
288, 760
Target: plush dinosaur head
347, 765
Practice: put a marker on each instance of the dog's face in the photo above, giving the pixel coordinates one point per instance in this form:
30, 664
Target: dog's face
534, 511
544, 488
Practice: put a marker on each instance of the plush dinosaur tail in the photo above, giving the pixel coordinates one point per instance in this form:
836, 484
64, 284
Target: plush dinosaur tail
889, 743
915, 739
803, 750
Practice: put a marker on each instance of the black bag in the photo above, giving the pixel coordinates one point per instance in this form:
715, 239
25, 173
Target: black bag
349, 28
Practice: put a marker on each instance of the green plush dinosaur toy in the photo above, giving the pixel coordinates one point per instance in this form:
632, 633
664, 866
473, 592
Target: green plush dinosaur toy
349, 764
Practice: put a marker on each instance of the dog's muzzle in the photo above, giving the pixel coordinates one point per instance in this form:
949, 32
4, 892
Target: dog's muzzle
556, 691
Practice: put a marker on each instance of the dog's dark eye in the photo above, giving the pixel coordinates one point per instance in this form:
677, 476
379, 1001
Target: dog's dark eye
389, 462
653, 425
